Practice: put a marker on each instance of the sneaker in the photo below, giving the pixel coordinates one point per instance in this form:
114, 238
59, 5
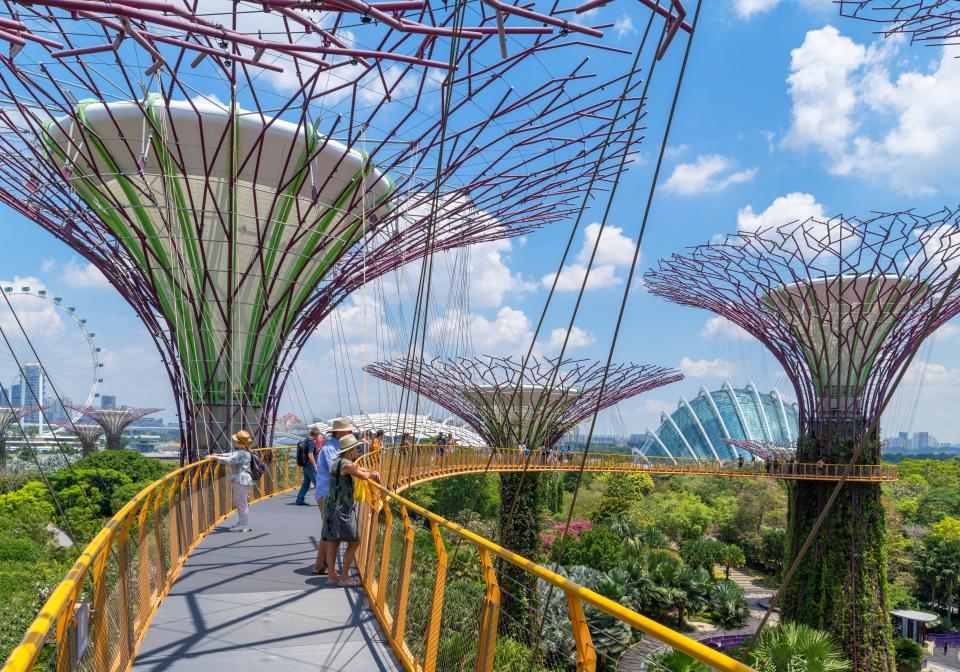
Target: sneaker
243, 529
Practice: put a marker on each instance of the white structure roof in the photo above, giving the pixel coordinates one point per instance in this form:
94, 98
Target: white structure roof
421, 426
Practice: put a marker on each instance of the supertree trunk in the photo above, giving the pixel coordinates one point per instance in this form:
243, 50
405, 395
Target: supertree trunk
519, 528
841, 582
510, 403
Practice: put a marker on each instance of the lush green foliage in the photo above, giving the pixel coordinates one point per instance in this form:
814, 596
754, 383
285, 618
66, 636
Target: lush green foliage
84, 496
793, 647
910, 655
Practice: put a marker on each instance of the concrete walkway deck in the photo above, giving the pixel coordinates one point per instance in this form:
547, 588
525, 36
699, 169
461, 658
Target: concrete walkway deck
249, 602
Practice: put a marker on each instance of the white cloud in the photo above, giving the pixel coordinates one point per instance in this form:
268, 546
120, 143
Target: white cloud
708, 368
793, 207
491, 280
508, 332
22, 314
746, 9
947, 331
615, 250
721, 328
579, 338
822, 90
873, 119
708, 174
47, 265
658, 406
624, 26
571, 278
83, 276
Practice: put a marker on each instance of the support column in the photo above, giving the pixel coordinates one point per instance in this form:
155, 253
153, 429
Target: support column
840, 585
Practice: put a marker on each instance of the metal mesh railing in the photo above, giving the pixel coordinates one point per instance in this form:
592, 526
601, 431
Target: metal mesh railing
439, 611
402, 467
437, 591
97, 617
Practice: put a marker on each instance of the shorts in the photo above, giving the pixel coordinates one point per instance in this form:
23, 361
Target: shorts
322, 505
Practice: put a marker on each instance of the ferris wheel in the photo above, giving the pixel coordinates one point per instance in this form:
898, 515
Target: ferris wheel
47, 355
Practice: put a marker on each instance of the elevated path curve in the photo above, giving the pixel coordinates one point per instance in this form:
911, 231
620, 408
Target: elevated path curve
405, 467
241, 601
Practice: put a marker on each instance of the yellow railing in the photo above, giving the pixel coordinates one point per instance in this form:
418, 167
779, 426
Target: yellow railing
98, 615
438, 612
403, 467
436, 622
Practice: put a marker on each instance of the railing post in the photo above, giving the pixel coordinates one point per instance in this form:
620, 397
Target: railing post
143, 568
491, 616
368, 566
436, 607
126, 641
403, 587
586, 654
385, 556
158, 534
98, 617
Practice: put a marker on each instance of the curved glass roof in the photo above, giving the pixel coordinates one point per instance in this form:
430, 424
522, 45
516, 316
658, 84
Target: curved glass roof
699, 426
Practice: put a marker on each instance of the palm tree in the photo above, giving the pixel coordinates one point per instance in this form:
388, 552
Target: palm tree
728, 605
794, 646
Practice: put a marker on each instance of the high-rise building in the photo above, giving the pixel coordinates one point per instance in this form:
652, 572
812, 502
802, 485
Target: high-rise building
108, 401
33, 389
15, 395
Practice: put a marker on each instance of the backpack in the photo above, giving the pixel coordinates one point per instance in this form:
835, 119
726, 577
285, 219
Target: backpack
257, 467
302, 453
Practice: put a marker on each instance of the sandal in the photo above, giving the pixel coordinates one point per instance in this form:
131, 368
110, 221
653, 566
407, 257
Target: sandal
350, 583
319, 572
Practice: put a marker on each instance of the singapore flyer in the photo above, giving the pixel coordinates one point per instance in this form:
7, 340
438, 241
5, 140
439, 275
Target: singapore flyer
48, 357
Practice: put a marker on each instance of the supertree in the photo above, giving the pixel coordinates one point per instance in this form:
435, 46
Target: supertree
87, 435
843, 305
511, 404
929, 22
8, 416
114, 420
236, 169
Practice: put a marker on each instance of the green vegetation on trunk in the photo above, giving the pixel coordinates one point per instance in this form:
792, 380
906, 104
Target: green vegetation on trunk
841, 582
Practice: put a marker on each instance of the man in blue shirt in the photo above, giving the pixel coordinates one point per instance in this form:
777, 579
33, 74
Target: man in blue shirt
328, 453
310, 465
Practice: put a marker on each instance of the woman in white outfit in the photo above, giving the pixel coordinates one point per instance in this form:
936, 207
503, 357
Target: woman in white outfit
238, 475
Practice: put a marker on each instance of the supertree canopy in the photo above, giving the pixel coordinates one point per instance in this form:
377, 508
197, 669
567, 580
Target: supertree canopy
8, 416
512, 403
928, 22
87, 435
114, 420
236, 169
843, 305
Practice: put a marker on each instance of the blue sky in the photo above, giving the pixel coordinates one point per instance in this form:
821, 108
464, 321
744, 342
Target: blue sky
787, 111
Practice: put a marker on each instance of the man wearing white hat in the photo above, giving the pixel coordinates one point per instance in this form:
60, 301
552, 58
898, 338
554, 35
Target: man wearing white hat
340, 427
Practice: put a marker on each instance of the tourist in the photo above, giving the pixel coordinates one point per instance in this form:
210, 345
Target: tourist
307, 459
341, 428
441, 445
739, 461
238, 475
340, 524
377, 443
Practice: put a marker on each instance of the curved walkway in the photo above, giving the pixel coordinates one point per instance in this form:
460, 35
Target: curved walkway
249, 602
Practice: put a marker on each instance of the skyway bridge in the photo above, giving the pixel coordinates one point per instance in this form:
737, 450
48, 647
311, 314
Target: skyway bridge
163, 587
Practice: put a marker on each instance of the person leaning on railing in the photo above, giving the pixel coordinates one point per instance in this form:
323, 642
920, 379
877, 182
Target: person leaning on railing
238, 475
340, 522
